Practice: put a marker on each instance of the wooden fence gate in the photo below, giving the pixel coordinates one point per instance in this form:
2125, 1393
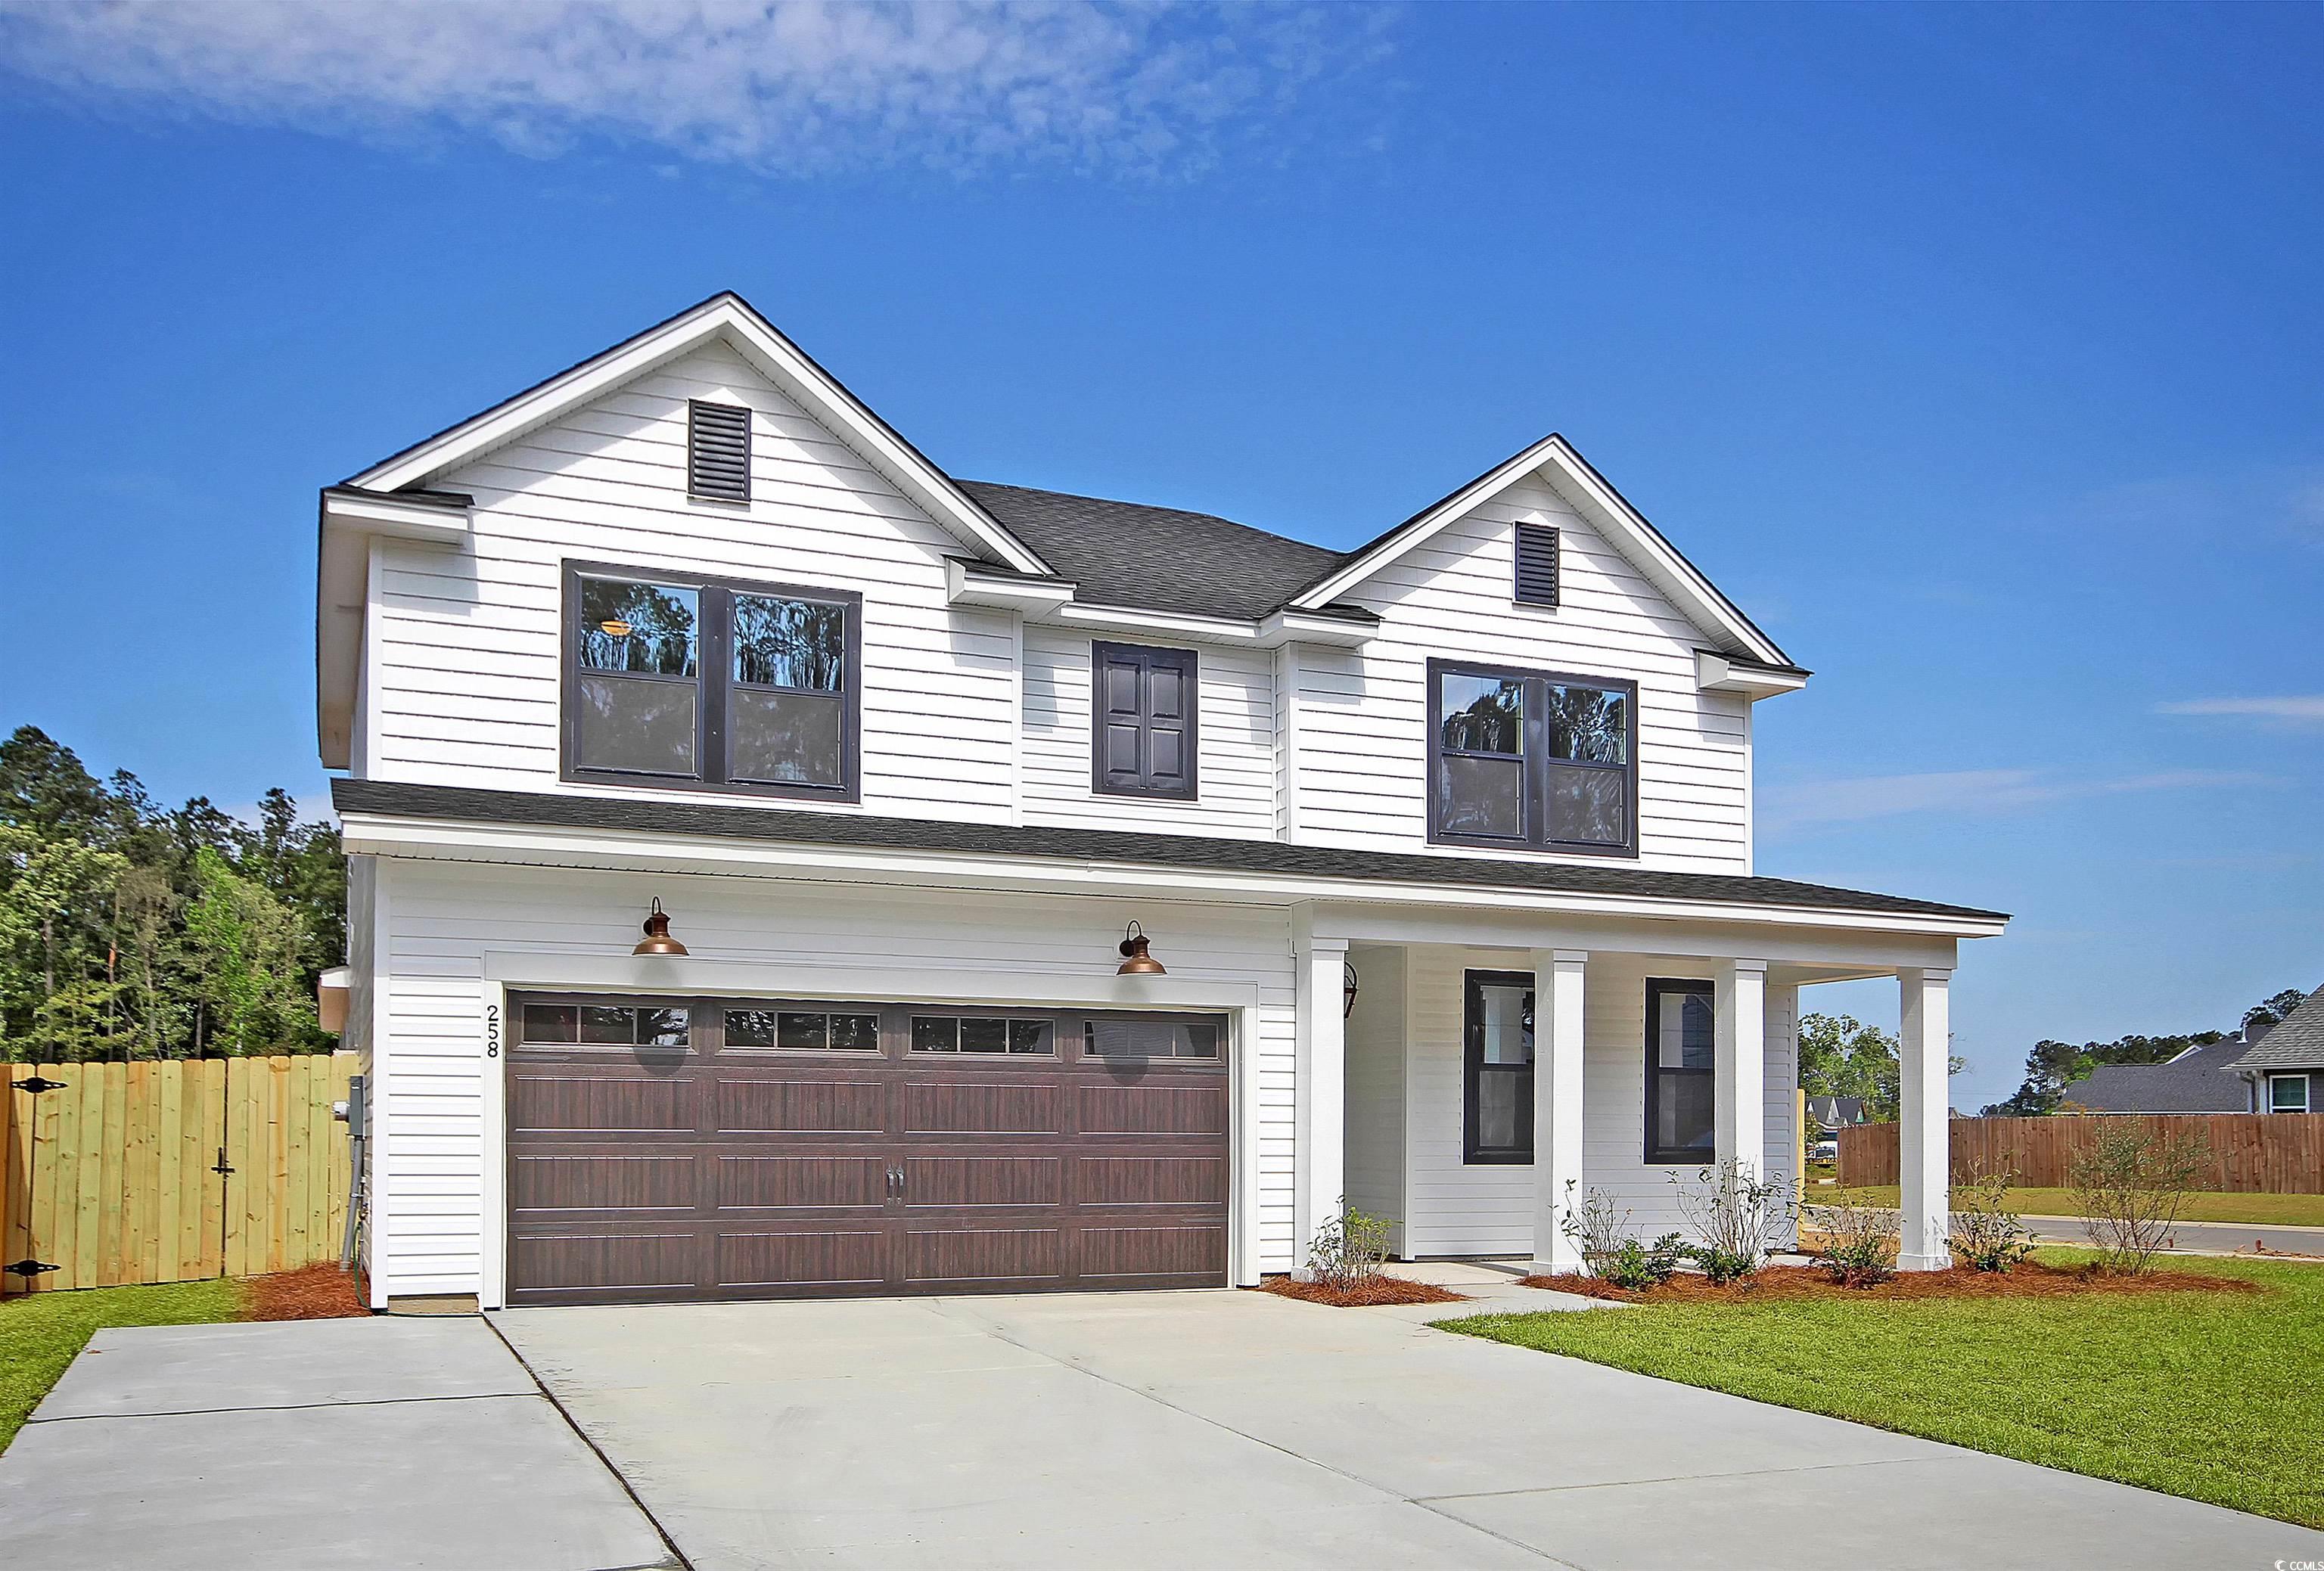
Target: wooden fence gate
112, 1177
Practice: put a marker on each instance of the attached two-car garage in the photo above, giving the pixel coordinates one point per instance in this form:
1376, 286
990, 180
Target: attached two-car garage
669, 1149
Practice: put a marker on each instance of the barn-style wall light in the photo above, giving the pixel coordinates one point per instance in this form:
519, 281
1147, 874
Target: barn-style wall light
1134, 960
1347, 989
658, 941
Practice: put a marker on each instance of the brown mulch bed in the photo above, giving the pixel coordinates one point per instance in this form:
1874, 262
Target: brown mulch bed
313, 1293
1380, 1289
2031, 1280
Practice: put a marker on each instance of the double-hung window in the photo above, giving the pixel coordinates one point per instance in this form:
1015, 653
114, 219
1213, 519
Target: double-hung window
708, 684
1682, 1074
1532, 760
1496, 1020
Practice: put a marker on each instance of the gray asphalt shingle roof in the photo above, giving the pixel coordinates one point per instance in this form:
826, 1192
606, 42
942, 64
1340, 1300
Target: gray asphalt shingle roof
2297, 1042
1120, 553
403, 799
2202, 1081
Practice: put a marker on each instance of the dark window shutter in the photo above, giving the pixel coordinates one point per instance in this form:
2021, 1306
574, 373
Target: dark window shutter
1142, 720
718, 452
1536, 564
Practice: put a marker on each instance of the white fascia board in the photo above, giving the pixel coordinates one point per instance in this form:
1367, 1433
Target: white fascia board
971, 584
1571, 475
1716, 673
364, 512
1271, 633
383, 835
342, 578
780, 361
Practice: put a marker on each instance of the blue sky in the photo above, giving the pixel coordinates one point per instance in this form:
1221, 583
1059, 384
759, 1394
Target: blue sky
1974, 351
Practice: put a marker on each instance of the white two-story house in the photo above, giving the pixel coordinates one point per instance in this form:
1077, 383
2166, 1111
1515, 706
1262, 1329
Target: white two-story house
1053, 892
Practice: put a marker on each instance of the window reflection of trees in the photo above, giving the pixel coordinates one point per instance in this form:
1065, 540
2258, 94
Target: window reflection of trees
641, 629
1588, 725
789, 643
1481, 715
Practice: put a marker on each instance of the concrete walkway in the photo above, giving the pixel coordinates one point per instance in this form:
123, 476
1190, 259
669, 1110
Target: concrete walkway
1234, 1429
386, 1444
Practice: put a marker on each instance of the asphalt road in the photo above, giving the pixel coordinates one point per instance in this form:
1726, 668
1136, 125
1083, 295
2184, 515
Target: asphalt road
2200, 1237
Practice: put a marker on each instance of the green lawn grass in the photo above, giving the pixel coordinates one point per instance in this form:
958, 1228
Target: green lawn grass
2211, 1396
40, 1333
2284, 1210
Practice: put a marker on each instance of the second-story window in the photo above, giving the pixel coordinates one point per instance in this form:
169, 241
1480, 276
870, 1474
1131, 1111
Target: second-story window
710, 684
1531, 760
1142, 727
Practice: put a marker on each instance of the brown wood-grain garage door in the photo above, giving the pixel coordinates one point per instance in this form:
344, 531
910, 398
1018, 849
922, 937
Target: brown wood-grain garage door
664, 1150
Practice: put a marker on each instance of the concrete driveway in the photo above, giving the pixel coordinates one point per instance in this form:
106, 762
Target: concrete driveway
1160, 1429
311, 1444
1232, 1428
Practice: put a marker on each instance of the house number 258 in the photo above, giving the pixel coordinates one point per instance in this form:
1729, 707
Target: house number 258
492, 1031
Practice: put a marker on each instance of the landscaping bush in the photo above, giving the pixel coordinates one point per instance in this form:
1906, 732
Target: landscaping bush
1608, 1251
2129, 1183
1349, 1250
1737, 1217
1986, 1235
1859, 1243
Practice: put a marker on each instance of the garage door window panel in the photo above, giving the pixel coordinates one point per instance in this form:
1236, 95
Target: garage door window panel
803, 1030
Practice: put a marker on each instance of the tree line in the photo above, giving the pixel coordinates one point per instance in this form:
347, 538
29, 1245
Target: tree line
2051, 1067
132, 930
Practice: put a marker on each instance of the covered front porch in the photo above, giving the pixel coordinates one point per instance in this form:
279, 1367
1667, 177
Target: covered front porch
1480, 1076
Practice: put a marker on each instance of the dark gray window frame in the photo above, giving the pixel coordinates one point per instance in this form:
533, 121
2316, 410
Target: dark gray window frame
712, 662
1555, 544
1656, 987
1473, 1065
1536, 759
1193, 673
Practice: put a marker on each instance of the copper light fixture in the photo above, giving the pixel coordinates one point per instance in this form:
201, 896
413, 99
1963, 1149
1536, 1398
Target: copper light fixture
1134, 960
1346, 989
658, 941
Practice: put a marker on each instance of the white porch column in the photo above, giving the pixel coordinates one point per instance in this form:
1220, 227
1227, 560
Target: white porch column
1923, 1114
1557, 1027
1740, 1100
1321, 1094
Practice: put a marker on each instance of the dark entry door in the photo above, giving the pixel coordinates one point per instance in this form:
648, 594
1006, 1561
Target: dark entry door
699, 1149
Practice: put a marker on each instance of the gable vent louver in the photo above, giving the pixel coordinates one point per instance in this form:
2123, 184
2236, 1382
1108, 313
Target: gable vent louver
1536, 564
718, 452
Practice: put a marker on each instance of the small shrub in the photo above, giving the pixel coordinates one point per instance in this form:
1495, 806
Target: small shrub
1859, 1245
1640, 1266
1592, 1224
1348, 1250
1986, 1235
1736, 1217
2130, 1184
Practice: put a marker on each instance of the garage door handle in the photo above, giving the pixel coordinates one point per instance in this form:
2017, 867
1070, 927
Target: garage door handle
895, 1181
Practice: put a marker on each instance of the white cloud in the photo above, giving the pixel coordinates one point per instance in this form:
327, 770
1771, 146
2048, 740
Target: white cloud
791, 87
2297, 707
1869, 797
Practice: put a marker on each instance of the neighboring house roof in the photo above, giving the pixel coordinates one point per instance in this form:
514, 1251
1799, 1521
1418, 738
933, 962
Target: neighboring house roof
1120, 553
2202, 1080
2296, 1041
1265, 857
1833, 1111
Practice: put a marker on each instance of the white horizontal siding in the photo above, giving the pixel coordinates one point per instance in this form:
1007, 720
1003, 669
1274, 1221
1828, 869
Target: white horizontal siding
1361, 715
465, 644
1234, 736
442, 919
1460, 1209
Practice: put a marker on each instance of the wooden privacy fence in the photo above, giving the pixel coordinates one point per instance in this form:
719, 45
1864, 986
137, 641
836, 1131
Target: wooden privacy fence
2250, 1152
111, 1177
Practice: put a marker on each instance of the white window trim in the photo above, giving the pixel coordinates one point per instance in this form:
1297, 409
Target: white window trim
2307, 1093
